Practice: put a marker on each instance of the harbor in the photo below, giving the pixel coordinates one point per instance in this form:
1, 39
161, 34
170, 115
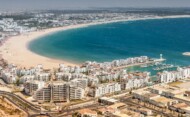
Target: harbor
144, 64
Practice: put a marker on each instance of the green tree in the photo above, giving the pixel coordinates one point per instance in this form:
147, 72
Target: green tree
17, 82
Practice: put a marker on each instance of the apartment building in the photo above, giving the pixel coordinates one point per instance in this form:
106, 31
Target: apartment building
43, 94
76, 92
103, 89
30, 87
59, 92
171, 76
82, 83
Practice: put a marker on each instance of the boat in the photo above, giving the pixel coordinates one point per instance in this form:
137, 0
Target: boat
164, 66
145, 65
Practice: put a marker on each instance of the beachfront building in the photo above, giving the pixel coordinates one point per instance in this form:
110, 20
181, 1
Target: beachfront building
184, 72
23, 72
9, 75
171, 76
103, 89
115, 63
8, 24
166, 76
39, 68
70, 69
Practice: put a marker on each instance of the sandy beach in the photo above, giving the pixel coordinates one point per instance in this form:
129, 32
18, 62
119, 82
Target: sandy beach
15, 50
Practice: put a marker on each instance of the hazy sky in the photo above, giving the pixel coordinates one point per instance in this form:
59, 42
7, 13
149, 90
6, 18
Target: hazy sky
70, 4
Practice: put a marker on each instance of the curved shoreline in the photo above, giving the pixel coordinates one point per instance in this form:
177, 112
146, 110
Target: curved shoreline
15, 49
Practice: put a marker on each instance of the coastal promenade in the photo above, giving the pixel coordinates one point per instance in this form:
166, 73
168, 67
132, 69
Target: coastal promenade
138, 64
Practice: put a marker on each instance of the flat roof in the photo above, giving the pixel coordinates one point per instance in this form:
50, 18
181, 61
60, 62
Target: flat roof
149, 95
162, 99
180, 105
108, 99
121, 115
117, 105
187, 108
87, 111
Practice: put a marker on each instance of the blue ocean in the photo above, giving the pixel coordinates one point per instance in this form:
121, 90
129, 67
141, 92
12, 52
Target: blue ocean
106, 42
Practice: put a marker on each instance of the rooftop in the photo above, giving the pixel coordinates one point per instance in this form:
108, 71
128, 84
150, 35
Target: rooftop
86, 111
180, 105
162, 99
117, 105
109, 99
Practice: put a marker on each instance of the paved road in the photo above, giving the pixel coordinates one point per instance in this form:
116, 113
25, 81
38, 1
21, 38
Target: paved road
129, 102
18, 106
70, 111
21, 103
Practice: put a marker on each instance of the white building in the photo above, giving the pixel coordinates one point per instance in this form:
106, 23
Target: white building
26, 78
76, 92
103, 89
171, 76
82, 83
9, 77
59, 92
30, 87
54, 91
135, 80
43, 94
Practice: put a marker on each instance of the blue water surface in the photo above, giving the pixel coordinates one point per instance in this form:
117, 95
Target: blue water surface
107, 42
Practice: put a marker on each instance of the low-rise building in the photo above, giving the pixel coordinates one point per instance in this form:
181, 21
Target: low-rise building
143, 111
166, 90
9, 77
107, 101
152, 98
87, 113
